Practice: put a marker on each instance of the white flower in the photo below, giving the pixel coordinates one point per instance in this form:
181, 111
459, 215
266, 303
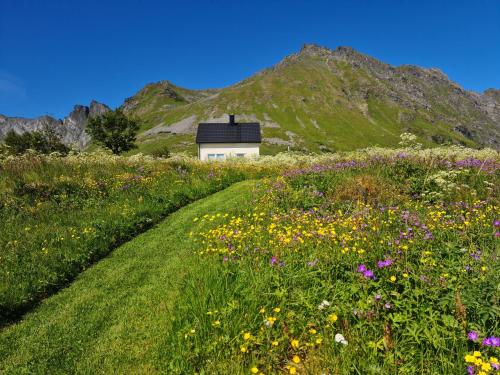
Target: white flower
340, 338
323, 304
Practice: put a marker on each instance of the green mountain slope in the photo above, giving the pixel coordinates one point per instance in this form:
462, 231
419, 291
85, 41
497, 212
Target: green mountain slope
320, 100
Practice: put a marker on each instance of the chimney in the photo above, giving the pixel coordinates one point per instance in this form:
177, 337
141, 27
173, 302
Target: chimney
231, 120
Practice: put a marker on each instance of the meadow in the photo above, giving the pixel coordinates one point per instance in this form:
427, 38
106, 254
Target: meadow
59, 215
376, 261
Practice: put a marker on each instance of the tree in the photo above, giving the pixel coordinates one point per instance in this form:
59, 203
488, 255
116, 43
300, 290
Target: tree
45, 142
114, 130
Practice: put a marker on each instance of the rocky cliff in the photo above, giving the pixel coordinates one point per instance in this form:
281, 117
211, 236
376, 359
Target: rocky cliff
71, 129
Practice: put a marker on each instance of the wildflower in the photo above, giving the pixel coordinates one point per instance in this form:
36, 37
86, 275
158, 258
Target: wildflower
270, 321
384, 263
312, 331
362, 268
405, 274
276, 309
273, 260
473, 336
243, 349
274, 343
377, 297
340, 338
254, 370
296, 359
486, 367
295, 343
216, 323
387, 306
319, 340
470, 370
323, 304
262, 310
292, 370
332, 317
392, 278
247, 335
369, 274
476, 354
470, 358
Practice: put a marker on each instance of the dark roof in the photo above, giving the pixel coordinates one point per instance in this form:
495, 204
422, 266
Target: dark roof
244, 132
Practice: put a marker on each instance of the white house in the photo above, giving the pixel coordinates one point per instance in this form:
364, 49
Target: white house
232, 139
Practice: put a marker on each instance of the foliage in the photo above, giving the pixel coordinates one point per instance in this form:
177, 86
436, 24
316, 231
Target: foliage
114, 130
45, 142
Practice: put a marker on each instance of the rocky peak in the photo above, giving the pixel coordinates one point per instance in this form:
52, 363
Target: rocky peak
71, 130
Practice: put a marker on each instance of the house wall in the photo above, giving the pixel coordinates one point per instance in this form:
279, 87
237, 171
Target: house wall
228, 149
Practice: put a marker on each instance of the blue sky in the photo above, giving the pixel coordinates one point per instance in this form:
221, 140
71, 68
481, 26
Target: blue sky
54, 54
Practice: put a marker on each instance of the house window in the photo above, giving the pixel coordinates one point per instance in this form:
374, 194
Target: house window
220, 156
211, 156
240, 155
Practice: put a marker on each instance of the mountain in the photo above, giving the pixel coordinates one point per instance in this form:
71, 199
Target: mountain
322, 99
317, 99
71, 129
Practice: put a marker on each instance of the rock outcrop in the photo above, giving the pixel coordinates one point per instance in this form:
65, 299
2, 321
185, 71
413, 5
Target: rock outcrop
71, 129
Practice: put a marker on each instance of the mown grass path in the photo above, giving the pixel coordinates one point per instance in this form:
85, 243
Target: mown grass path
115, 315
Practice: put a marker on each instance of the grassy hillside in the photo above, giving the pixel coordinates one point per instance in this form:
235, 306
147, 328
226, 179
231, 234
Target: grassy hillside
322, 100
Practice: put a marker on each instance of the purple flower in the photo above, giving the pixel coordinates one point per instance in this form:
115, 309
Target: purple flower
470, 370
368, 274
495, 341
387, 306
487, 341
378, 297
428, 236
473, 336
496, 366
361, 268
496, 223
273, 260
384, 263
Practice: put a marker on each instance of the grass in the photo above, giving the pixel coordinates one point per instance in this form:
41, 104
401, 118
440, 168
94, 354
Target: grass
116, 315
60, 215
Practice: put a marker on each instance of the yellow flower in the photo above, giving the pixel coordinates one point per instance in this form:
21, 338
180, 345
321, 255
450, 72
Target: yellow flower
319, 340
486, 367
247, 336
470, 358
484, 268
243, 349
216, 323
296, 359
276, 309
477, 354
262, 310
292, 370
295, 343
254, 370
274, 343
393, 278
405, 274
332, 317
312, 331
